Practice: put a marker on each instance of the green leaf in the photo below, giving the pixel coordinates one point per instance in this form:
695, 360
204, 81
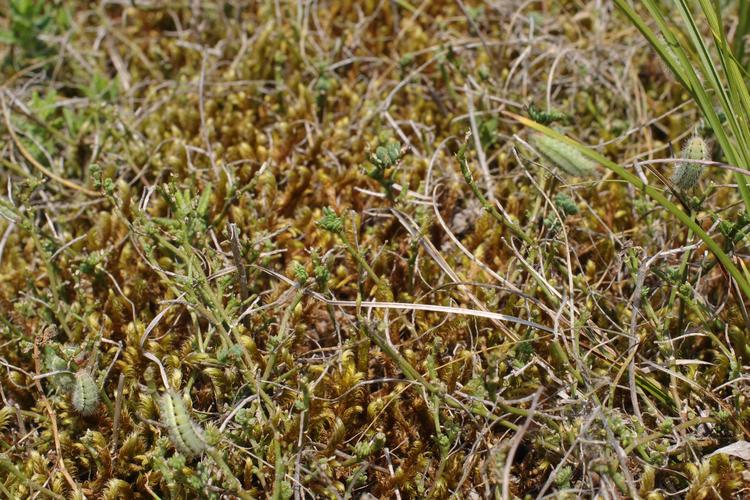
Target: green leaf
650, 191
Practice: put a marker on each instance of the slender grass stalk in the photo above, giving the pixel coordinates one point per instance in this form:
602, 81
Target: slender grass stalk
282, 336
743, 30
514, 228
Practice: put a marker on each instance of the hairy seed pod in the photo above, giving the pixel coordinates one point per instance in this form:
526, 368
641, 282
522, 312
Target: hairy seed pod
565, 156
687, 173
85, 397
186, 435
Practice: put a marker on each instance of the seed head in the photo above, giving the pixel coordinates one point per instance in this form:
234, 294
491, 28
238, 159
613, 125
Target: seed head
330, 221
299, 272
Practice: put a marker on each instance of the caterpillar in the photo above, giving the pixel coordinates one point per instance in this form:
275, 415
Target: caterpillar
687, 173
185, 434
564, 156
85, 397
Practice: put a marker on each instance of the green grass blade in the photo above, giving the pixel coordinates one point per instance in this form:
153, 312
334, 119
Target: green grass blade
661, 48
738, 92
743, 29
650, 191
677, 58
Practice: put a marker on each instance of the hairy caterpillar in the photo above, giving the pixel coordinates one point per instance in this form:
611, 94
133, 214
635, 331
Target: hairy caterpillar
185, 434
687, 173
564, 156
85, 397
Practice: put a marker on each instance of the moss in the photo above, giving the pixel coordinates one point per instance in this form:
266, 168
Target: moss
314, 225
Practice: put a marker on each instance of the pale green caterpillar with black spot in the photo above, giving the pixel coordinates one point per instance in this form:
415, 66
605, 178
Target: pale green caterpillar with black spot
687, 173
185, 434
565, 156
85, 396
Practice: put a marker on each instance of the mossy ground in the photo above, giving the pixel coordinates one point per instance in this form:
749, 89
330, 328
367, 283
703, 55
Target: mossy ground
266, 198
